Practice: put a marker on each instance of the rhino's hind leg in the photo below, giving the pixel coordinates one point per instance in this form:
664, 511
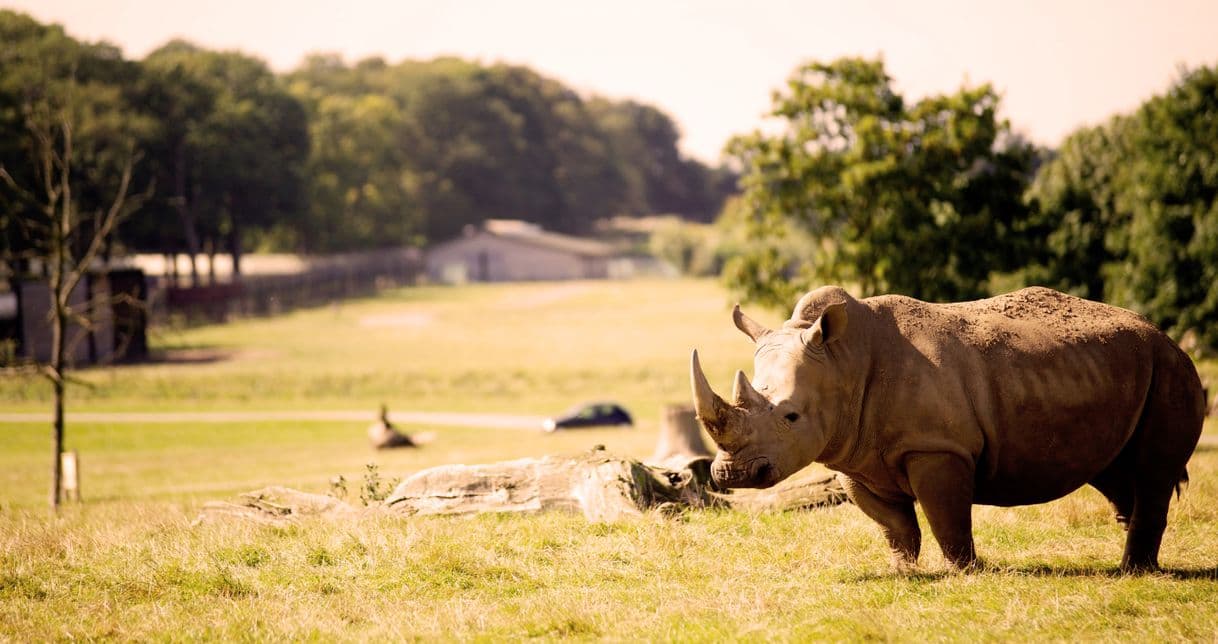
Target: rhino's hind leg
1146, 528
1163, 442
1116, 484
1157, 474
896, 518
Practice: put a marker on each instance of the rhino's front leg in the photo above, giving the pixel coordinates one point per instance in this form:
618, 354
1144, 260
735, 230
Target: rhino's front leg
896, 518
943, 484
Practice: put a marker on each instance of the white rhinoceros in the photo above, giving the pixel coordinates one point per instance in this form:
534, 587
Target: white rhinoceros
1012, 400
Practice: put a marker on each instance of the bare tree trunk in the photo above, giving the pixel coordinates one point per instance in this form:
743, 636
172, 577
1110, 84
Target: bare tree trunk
59, 328
58, 425
211, 261
234, 239
185, 210
60, 282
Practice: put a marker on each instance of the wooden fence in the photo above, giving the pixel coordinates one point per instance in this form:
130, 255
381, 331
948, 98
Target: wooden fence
323, 280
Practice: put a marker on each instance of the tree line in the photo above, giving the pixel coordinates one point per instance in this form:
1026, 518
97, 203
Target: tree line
328, 157
941, 199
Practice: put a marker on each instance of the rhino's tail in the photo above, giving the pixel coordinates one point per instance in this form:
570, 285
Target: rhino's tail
1182, 483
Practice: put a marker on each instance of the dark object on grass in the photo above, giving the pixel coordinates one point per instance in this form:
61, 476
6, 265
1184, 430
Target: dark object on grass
595, 414
383, 435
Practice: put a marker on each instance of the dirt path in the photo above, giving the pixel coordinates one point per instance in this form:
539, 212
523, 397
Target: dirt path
449, 419
439, 418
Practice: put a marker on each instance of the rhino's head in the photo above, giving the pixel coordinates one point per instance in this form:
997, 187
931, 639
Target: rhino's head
784, 419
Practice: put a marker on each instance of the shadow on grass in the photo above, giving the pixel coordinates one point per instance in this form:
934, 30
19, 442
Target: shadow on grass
183, 355
188, 355
1046, 570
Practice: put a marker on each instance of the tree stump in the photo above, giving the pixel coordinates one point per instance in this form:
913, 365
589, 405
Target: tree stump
680, 438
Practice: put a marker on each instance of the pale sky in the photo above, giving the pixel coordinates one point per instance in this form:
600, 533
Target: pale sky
712, 65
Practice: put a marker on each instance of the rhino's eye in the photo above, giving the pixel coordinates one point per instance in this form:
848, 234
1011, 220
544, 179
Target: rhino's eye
792, 417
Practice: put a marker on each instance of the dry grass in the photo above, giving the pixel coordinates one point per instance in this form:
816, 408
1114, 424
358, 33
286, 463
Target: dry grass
129, 564
140, 570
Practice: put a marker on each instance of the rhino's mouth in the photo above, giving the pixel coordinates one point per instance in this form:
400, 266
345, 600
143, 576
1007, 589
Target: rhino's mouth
757, 473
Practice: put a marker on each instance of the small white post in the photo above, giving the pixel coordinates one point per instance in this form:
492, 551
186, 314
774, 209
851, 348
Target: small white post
71, 475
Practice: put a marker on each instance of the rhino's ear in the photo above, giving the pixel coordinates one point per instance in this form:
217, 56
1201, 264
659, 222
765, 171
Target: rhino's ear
749, 326
829, 327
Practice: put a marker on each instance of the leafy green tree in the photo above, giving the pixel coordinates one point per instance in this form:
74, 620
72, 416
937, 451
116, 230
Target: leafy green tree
1172, 266
232, 147
360, 183
43, 71
922, 199
1080, 211
1131, 212
460, 142
256, 143
366, 186
642, 143
182, 101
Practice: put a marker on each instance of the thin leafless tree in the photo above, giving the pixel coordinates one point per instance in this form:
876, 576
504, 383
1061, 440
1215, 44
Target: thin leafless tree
66, 241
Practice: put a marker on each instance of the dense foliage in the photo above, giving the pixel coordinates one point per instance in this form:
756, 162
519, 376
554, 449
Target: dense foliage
940, 200
335, 157
55, 90
920, 198
1132, 209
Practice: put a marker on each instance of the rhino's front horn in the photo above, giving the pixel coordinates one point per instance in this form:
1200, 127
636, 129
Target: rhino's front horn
743, 394
708, 405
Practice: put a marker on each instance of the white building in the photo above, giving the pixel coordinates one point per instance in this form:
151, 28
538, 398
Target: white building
508, 251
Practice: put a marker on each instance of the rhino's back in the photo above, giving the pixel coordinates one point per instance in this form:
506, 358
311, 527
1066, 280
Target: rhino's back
1033, 320
1043, 389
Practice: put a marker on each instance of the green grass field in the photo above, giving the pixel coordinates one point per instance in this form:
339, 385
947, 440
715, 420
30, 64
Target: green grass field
130, 564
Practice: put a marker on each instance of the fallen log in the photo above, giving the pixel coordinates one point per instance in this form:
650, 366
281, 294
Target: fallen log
602, 487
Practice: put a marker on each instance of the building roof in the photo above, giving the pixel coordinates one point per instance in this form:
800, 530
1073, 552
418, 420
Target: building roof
532, 234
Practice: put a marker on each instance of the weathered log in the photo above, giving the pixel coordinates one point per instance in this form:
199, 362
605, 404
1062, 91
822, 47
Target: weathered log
600, 486
276, 505
803, 491
603, 488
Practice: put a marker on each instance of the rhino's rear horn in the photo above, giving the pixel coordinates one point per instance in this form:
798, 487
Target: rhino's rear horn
743, 394
749, 326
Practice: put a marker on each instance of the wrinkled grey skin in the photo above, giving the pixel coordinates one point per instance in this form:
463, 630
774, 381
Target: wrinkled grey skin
1012, 400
